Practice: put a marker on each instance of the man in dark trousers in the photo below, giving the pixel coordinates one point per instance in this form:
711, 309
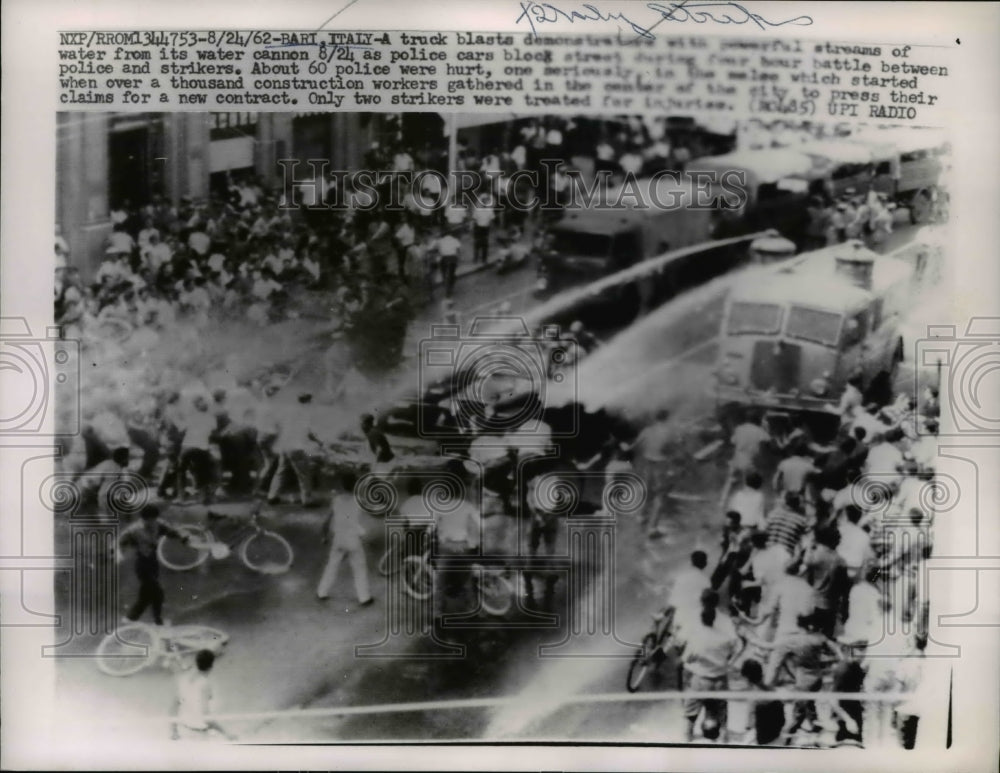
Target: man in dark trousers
143, 536
377, 442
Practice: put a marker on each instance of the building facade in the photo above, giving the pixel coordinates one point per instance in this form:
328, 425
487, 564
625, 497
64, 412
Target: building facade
108, 160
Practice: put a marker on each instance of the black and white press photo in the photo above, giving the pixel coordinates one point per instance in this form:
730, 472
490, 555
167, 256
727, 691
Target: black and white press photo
515, 385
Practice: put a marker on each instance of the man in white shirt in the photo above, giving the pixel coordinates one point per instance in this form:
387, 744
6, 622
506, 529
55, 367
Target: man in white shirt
195, 700
235, 414
457, 535
748, 501
885, 460
924, 450
850, 400
767, 565
482, 217
708, 655
97, 484
402, 161
199, 427
156, 252
604, 156
749, 439
631, 163
865, 623
345, 519
295, 435
855, 544
793, 597
684, 595
120, 242
793, 473
454, 216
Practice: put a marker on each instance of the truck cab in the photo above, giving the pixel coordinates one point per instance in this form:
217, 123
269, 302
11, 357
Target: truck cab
793, 334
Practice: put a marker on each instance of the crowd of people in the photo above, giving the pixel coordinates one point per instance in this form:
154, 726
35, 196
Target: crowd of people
867, 217
806, 569
818, 561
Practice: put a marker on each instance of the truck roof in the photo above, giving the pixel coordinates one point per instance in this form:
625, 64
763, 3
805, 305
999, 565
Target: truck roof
600, 222
767, 165
905, 139
627, 204
847, 150
812, 280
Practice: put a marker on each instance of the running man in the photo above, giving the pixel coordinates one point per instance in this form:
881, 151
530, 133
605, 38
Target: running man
708, 654
749, 440
143, 536
345, 518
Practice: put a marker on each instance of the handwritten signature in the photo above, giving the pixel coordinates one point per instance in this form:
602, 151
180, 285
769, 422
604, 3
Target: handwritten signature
699, 13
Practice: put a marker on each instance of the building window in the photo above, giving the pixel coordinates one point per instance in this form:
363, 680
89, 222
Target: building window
225, 126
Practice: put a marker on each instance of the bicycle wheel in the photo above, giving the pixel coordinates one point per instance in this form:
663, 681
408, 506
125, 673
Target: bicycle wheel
416, 577
391, 561
641, 663
127, 650
267, 552
498, 594
175, 554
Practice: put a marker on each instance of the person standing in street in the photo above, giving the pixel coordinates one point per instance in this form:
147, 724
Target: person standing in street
447, 248
142, 537
295, 436
377, 442
482, 219
345, 520
405, 238
195, 456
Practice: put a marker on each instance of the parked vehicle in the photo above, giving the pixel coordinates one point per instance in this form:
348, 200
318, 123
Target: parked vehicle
913, 174
622, 227
772, 186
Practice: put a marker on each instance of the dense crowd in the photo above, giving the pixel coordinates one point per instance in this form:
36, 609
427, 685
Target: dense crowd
867, 217
819, 561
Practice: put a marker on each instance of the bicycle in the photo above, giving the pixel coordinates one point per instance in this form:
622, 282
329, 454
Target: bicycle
259, 549
653, 650
135, 646
495, 589
398, 551
417, 575
494, 585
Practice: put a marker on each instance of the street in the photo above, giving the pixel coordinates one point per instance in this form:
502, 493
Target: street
289, 651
